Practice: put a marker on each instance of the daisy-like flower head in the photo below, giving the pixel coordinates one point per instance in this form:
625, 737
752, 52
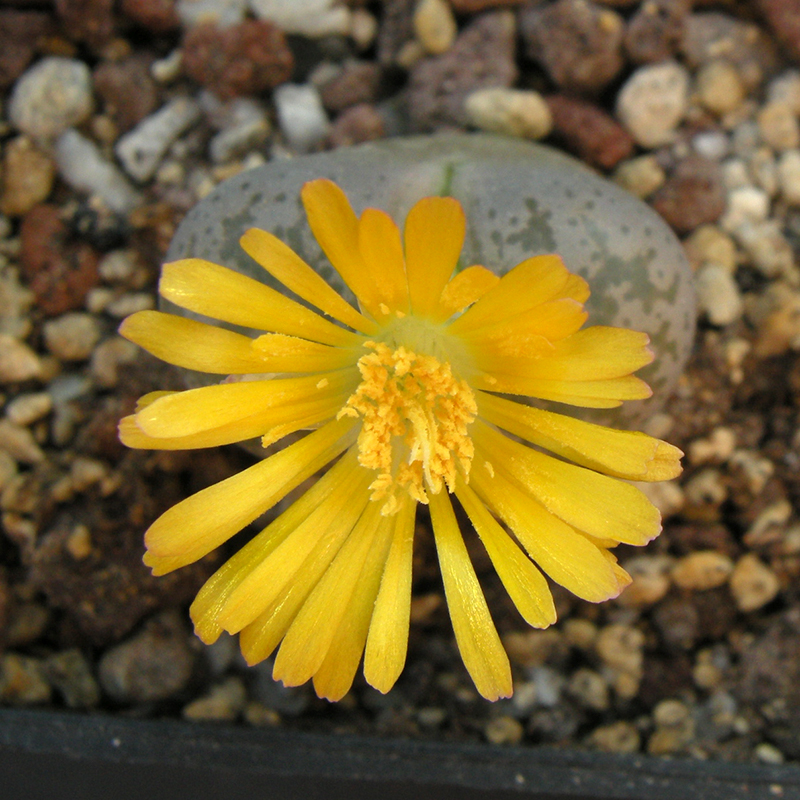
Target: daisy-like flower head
406, 398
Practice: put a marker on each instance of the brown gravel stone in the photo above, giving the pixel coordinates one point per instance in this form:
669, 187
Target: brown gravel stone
482, 56
158, 16
59, 270
28, 175
357, 83
128, 91
589, 132
578, 43
20, 33
474, 6
654, 32
89, 21
783, 17
360, 123
692, 195
241, 60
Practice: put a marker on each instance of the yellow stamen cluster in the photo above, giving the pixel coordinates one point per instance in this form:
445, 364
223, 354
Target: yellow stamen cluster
416, 415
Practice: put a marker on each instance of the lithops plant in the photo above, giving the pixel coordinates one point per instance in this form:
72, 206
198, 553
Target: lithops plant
520, 200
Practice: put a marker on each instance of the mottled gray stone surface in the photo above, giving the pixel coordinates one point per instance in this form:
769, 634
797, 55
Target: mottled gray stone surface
520, 199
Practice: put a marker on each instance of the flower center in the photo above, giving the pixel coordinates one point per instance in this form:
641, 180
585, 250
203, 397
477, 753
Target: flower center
415, 416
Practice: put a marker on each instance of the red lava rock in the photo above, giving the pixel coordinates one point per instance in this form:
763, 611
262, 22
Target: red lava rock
359, 123
20, 31
578, 43
244, 59
59, 270
481, 57
358, 83
89, 21
395, 30
655, 31
589, 132
157, 16
128, 91
783, 17
692, 195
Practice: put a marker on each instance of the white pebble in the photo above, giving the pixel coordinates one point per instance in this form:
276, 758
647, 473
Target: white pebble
84, 168
311, 18
513, 112
248, 126
53, 95
142, 149
711, 144
167, 69
653, 101
118, 266
130, 303
224, 12
302, 118
72, 336
745, 204
718, 294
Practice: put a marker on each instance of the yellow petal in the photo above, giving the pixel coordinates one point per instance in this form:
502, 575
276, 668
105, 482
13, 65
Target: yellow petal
382, 252
434, 235
284, 264
387, 643
520, 335
221, 293
215, 593
476, 636
311, 633
463, 290
603, 507
532, 282
202, 522
567, 557
624, 454
335, 675
587, 394
524, 583
281, 353
335, 226
210, 407
593, 354
191, 344
323, 530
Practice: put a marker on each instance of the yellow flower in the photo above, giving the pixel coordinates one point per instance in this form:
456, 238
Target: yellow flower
407, 394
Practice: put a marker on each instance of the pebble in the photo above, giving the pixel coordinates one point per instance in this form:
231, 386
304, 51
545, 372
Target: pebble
745, 204
223, 12
768, 249
154, 665
580, 633
247, 127
767, 753
706, 488
223, 703
22, 680
140, 151
503, 730
357, 82
717, 447
513, 112
72, 336
753, 584
764, 169
641, 176
431, 717
363, 28
653, 101
310, 18
549, 686
52, 96
708, 243
650, 583
19, 443
621, 648
71, 676
130, 303
735, 174
693, 195
785, 89
28, 175
435, 25
26, 409
301, 116
357, 124
109, 358
712, 145
590, 689
778, 126
8, 469
18, 362
789, 176
674, 728
15, 300
719, 87
118, 266
702, 570
168, 69
617, 737
85, 168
